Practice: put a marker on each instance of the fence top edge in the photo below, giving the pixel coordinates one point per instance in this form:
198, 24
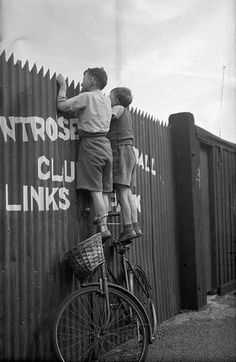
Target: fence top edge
46, 74
212, 140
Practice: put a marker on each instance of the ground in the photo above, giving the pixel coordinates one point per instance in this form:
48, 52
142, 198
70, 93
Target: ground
205, 335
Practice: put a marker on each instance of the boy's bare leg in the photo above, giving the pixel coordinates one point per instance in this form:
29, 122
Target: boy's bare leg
122, 194
133, 206
100, 207
106, 201
128, 231
134, 213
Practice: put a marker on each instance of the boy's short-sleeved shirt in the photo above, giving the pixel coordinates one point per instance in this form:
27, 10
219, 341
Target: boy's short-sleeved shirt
94, 110
117, 111
94, 164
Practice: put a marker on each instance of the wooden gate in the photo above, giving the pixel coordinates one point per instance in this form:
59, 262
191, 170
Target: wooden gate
219, 162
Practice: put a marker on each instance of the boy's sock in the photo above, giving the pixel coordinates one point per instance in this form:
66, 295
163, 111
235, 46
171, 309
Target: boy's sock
127, 227
137, 229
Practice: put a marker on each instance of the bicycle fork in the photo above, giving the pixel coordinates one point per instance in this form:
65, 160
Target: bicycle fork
129, 281
104, 290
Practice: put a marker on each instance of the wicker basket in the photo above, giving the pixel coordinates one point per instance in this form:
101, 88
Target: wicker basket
86, 256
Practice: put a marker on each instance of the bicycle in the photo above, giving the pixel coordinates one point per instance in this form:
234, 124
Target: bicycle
134, 278
136, 282
103, 321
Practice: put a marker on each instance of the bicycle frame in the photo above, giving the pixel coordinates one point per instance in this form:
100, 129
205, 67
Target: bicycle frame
104, 287
129, 272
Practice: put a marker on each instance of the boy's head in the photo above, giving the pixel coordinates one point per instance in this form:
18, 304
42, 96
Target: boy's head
94, 78
121, 96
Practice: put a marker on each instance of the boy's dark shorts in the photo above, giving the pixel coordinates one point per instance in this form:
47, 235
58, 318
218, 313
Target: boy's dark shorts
124, 165
94, 167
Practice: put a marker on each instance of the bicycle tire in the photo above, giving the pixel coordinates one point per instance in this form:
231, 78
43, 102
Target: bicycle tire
78, 330
141, 288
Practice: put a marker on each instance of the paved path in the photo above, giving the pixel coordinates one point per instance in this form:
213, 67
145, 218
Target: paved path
205, 335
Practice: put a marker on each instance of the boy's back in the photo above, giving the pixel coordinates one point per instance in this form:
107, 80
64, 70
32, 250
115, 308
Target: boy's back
94, 110
94, 164
121, 131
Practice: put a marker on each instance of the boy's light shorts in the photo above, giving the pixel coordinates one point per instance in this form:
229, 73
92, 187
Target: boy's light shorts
124, 165
94, 167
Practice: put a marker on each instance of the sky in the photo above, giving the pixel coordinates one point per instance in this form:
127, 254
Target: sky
175, 55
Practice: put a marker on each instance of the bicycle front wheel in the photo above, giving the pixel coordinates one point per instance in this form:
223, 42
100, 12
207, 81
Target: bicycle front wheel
141, 288
84, 332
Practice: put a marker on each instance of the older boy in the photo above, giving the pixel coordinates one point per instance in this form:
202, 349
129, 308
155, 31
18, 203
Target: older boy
124, 161
94, 170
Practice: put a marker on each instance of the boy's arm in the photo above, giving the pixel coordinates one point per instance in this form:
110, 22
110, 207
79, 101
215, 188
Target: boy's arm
61, 97
63, 103
117, 111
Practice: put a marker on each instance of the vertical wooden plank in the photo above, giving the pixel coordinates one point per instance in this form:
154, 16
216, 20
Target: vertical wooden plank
155, 210
219, 210
205, 197
213, 216
159, 227
164, 221
169, 224
227, 216
223, 183
233, 213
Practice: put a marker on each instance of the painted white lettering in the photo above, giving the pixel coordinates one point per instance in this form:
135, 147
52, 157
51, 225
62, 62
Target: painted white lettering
56, 177
137, 202
25, 198
140, 161
51, 128
38, 128
65, 136
62, 194
136, 154
22, 121
64, 176
7, 131
152, 168
146, 167
72, 171
49, 198
13, 207
41, 174
41, 199
143, 161
73, 129
38, 197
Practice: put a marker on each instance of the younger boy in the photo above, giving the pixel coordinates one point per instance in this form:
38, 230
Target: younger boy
94, 169
121, 137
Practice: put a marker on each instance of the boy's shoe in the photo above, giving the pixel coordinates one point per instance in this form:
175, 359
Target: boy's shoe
106, 234
138, 232
127, 236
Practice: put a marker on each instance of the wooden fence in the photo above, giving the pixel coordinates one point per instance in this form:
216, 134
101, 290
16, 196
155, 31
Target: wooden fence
205, 180
218, 164
42, 215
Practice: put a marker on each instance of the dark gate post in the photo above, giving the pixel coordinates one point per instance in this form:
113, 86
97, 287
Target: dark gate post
186, 159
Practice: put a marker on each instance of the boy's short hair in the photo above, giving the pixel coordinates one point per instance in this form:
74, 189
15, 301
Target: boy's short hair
99, 75
124, 96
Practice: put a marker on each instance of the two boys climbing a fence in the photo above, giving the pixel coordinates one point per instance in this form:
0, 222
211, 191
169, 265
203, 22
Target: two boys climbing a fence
106, 157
